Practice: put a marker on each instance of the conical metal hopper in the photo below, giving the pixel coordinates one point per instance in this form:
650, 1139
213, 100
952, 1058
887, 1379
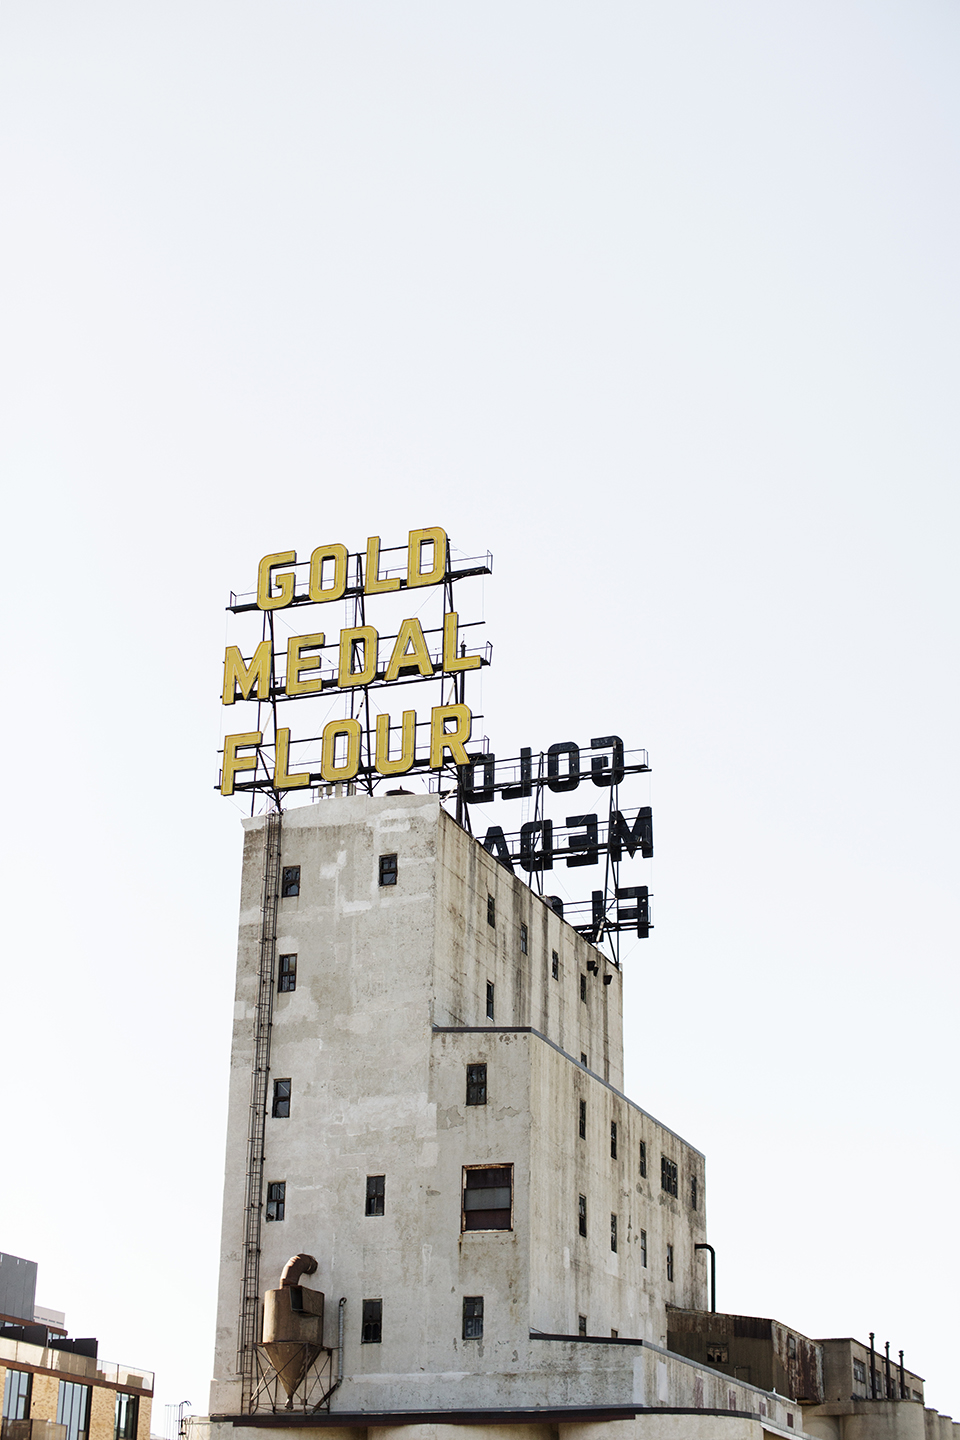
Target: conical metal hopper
293, 1325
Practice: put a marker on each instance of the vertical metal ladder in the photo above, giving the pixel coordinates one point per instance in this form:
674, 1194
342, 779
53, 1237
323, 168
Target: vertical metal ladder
249, 1327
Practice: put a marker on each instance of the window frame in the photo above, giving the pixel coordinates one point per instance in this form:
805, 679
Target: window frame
464, 1187
613, 1232
371, 1319
285, 973
289, 882
375, 1199
491, 910
388, 873
23, 1396
583, 987
477, 1083
694, 1193
582, 1123
473, 1321
643, 1159
490, 999
524, 939
280, 1099
613, 1139
582, 1326
555, 964
69, 1415
670, 1261
126, 1431
643, 1249
278, 1201
669, 1175
582, 1216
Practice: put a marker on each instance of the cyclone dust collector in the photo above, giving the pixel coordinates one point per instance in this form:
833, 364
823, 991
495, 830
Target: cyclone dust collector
293, 1325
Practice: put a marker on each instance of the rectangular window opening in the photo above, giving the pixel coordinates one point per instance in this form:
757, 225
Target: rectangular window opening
614, 1334
276, 1200
17, 1390
489, 999
281, 1099
669, 1262
375, 1194
581, 1324
476, 1084
643, 1248
613, 1139
583, 1119
555, 965
491, 910
694, 1192
643, 1158
388, 869
582, 1215
371, 1332
523, 939
290, 881
473, 1317
487, 1197
613, 1233
127, 1415
668, 1175
288, 974
583, 988
73, 1409
583, 1058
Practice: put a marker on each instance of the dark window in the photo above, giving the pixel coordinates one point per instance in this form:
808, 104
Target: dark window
555, 965
693, 1191
643, 1158
127, 1414
581, 1324
388, 869
281, 1099
491, 910
791, 1347
476, 1084
613, 1139
489, 1000
372, 1326
859, 1372
583, 988
290, 881
668, 1175
16, 1395
583, 1058
613, 1233
582, 1215
583, 1119
473, 1317
73, 1409
669, 1262
487, 1197
614, 1334
717, 1353
288, 973
523, 939
276, 1200
375, 1188
643, 1248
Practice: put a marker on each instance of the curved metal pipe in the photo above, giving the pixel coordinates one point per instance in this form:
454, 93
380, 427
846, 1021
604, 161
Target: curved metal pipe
296, 1266
713, 1274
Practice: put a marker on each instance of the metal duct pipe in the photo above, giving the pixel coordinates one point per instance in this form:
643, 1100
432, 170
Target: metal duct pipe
713, 1275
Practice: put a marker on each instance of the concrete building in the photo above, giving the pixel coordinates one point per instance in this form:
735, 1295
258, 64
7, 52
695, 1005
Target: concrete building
55, 1388
478, 1233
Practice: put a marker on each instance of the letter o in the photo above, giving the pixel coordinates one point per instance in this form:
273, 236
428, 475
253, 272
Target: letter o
338, 554
328, 767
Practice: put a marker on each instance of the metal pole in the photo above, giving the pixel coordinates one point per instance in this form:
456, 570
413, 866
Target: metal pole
887, 1366
713, 1275
873, 1370
903, 1383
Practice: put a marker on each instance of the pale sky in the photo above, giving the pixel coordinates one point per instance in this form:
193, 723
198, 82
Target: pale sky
659, 303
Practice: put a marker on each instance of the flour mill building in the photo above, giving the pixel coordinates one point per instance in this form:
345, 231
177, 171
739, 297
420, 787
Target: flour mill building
441, 1209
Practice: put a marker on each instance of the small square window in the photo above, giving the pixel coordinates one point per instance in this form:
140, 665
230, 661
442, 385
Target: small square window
643, 1248
388, 869
614, 1334
582, 1215
643, 1158
669, 1262
276, 1199
555, 965
581, 1324
613, 1233
281, 1099
290, 881
583, 1058
473, 1317
476, 1084
489, 1000
583, 1119
375, 1189
583, 988
694, 1192
613, 1139
372, 1322
717, 1353
288, 974
668, 1175
523, 939
491, 910
488, 1197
